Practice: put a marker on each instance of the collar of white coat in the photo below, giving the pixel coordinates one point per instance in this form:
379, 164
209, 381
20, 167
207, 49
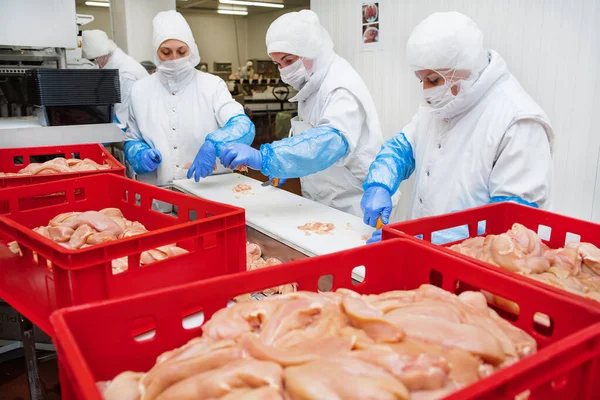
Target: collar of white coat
320, 68
464, 101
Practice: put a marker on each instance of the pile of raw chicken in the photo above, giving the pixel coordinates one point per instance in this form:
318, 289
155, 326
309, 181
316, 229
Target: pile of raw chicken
416, 344
78, 230
254, 260
574, 268
59, 165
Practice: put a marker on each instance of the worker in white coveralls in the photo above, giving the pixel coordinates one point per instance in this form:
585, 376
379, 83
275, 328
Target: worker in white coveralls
477, 139
336, 134
98, 48
180, 118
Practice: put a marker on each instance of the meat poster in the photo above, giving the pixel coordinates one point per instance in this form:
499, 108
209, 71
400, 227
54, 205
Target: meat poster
370, 26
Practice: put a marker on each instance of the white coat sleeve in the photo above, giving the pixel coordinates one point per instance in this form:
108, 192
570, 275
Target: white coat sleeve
395, 162
122, 109
224, 105
344, 112
523, 165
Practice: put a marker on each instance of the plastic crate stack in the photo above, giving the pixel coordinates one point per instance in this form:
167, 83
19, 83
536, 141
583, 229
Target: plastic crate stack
49, 276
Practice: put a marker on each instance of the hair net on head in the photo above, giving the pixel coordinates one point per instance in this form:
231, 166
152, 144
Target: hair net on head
96, 44
446, 40
171, 25
299, 33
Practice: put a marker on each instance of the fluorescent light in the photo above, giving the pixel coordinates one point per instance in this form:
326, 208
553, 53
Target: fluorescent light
251, 3
232, 8
231, 12
97, 4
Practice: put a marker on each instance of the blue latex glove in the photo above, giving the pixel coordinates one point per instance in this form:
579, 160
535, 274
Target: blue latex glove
377, 201
281, 182
394, 163
312, 151
376, 237
141, 156
204, 162
236, 154
150, 159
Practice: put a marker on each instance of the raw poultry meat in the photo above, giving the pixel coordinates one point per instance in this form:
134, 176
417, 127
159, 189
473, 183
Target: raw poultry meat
424, 344
79, 230
574, 268
59, 165
320, 228
255, 261
124, 387
241, 188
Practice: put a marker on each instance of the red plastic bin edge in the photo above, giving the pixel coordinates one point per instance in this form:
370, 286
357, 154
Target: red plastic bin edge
409, 229
15, 181
232, 220
274, 275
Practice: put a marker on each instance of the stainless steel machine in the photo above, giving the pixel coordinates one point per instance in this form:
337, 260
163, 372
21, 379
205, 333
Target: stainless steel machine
40, 38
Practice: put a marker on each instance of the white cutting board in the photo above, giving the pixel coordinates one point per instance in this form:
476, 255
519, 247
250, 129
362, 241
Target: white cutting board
278, 213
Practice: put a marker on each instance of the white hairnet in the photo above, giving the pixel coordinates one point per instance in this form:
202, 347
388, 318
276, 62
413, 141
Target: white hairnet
299, 33
171, 25
96, 44
446, 40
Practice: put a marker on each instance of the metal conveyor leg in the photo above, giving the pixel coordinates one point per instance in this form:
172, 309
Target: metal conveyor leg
33, 375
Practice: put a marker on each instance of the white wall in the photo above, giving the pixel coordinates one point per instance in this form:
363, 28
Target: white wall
215, 37
101, 18
132, 25
214, 34
551, 46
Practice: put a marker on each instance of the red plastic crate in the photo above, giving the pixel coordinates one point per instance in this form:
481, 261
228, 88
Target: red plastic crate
499, 218
555, 230
95, 152
565, 367
216, 241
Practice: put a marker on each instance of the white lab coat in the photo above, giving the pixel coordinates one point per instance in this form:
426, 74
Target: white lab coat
337, 96
493, 141
130, 71
176, 117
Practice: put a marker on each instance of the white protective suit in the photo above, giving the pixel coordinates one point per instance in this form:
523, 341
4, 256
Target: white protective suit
96, 44
174, 114
334, 95
490, 141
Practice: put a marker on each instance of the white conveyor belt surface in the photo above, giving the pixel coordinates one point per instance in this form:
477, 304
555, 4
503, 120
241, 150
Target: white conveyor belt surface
278, 214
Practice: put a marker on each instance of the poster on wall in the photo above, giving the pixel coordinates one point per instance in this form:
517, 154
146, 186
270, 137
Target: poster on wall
370, 26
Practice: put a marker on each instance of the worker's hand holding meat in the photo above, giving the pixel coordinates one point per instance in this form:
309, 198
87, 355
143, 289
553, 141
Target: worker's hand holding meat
236, 154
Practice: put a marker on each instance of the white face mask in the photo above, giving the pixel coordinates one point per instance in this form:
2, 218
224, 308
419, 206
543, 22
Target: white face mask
176, 69
294, 74
438, 96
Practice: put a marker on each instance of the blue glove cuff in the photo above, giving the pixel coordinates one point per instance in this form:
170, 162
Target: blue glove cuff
238, 129
133, 154
515, 199
312, 151
394, 163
